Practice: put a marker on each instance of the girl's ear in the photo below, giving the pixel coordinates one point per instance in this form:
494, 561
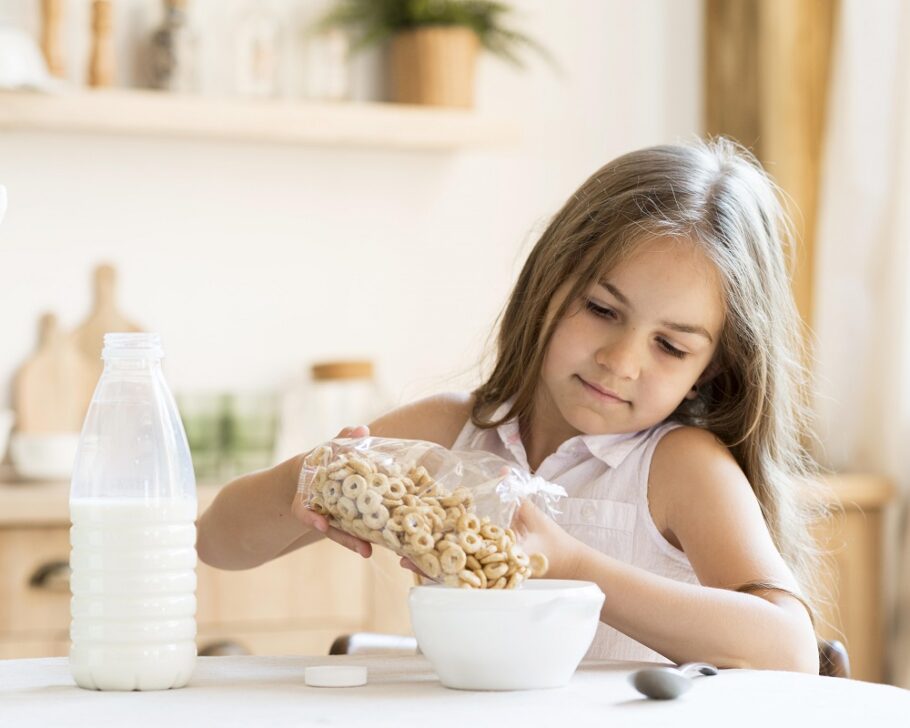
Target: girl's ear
711, 371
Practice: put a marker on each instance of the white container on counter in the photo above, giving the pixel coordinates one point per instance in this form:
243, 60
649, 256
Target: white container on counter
339, 394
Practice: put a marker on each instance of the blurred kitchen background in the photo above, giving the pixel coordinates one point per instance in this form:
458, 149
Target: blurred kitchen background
320, 235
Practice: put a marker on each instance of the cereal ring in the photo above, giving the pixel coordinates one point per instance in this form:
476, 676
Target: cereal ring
484, 549
377, 519
369, 501
539, 564
495, 571
515, 581
397, 489
413, 522
436, 522
500, 583
394, 524
459, 496
495, 557
453, 560
517, 554
469, 522
379, 483
451, 580
470, 542
483, 578
491, 531
412, 500
340, 474
392, 505
421, 542
408, 485
320, 476
332, 491
360, 529
318, 455
473, 564
428, 563
375, 536
361, 467
346, 508
317, 504
353, 486
443, 545
469, 577
391, 539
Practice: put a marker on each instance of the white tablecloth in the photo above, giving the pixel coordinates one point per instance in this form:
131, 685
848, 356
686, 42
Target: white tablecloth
404, 692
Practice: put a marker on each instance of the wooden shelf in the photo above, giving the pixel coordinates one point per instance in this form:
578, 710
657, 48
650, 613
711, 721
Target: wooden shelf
131, 112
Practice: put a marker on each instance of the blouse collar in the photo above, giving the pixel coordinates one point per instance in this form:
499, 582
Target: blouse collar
611, 449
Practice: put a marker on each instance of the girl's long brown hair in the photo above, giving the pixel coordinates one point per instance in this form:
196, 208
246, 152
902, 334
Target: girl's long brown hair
716, 194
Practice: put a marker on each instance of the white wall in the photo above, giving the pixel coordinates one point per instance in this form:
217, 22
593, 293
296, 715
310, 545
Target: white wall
254, 260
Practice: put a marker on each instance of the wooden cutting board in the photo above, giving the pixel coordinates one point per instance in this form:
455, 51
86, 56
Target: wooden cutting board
104, 319
52, 390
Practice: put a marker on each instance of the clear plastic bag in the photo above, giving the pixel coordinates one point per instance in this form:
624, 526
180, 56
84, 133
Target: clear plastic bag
448, 511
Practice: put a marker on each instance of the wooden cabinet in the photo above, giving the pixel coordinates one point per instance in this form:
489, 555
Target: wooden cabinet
297, 604
854, 541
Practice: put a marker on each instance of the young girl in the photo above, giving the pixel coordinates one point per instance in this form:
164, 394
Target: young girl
649, 362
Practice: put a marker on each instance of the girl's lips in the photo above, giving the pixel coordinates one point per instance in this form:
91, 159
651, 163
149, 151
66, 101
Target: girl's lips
605, 395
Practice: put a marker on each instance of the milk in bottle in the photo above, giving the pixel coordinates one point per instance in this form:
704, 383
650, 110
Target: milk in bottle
133, 510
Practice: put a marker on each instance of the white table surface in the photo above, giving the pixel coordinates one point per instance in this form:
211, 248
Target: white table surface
404, 692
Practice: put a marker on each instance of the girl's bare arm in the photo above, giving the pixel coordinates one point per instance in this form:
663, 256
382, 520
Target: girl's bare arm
253, 519
702, 502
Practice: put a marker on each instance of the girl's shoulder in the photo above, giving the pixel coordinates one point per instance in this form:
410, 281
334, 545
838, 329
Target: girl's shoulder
688, 450
438, 418
691, 467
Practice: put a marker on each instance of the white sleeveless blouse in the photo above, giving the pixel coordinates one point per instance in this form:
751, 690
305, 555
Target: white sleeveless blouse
606, 478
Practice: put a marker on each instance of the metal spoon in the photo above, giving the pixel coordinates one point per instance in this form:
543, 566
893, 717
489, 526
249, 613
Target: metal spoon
666, 683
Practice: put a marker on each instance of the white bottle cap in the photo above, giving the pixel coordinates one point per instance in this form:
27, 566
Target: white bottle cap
335, 676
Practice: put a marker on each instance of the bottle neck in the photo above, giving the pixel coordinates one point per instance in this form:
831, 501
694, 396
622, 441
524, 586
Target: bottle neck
131, 364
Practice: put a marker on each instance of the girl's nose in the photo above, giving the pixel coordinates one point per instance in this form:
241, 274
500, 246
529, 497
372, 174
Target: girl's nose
620, 358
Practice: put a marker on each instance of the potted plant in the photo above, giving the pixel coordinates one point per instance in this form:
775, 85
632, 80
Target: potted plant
433, 44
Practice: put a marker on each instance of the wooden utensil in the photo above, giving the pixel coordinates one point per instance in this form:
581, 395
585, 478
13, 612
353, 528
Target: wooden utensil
101, 60
52, 390
50, 35
104, 318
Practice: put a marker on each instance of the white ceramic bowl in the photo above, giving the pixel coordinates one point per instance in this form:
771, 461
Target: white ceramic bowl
501, 639
44, 457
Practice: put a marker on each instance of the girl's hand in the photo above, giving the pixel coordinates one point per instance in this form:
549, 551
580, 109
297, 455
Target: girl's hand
538, 533
312, 519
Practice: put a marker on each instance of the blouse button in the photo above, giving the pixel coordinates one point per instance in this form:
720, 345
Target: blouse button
588, 512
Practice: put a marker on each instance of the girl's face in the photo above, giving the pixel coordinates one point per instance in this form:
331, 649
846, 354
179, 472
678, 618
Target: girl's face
628, 353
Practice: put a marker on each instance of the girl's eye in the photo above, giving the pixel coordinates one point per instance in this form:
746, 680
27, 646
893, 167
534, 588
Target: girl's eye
610, 314
597, 310
671, 350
